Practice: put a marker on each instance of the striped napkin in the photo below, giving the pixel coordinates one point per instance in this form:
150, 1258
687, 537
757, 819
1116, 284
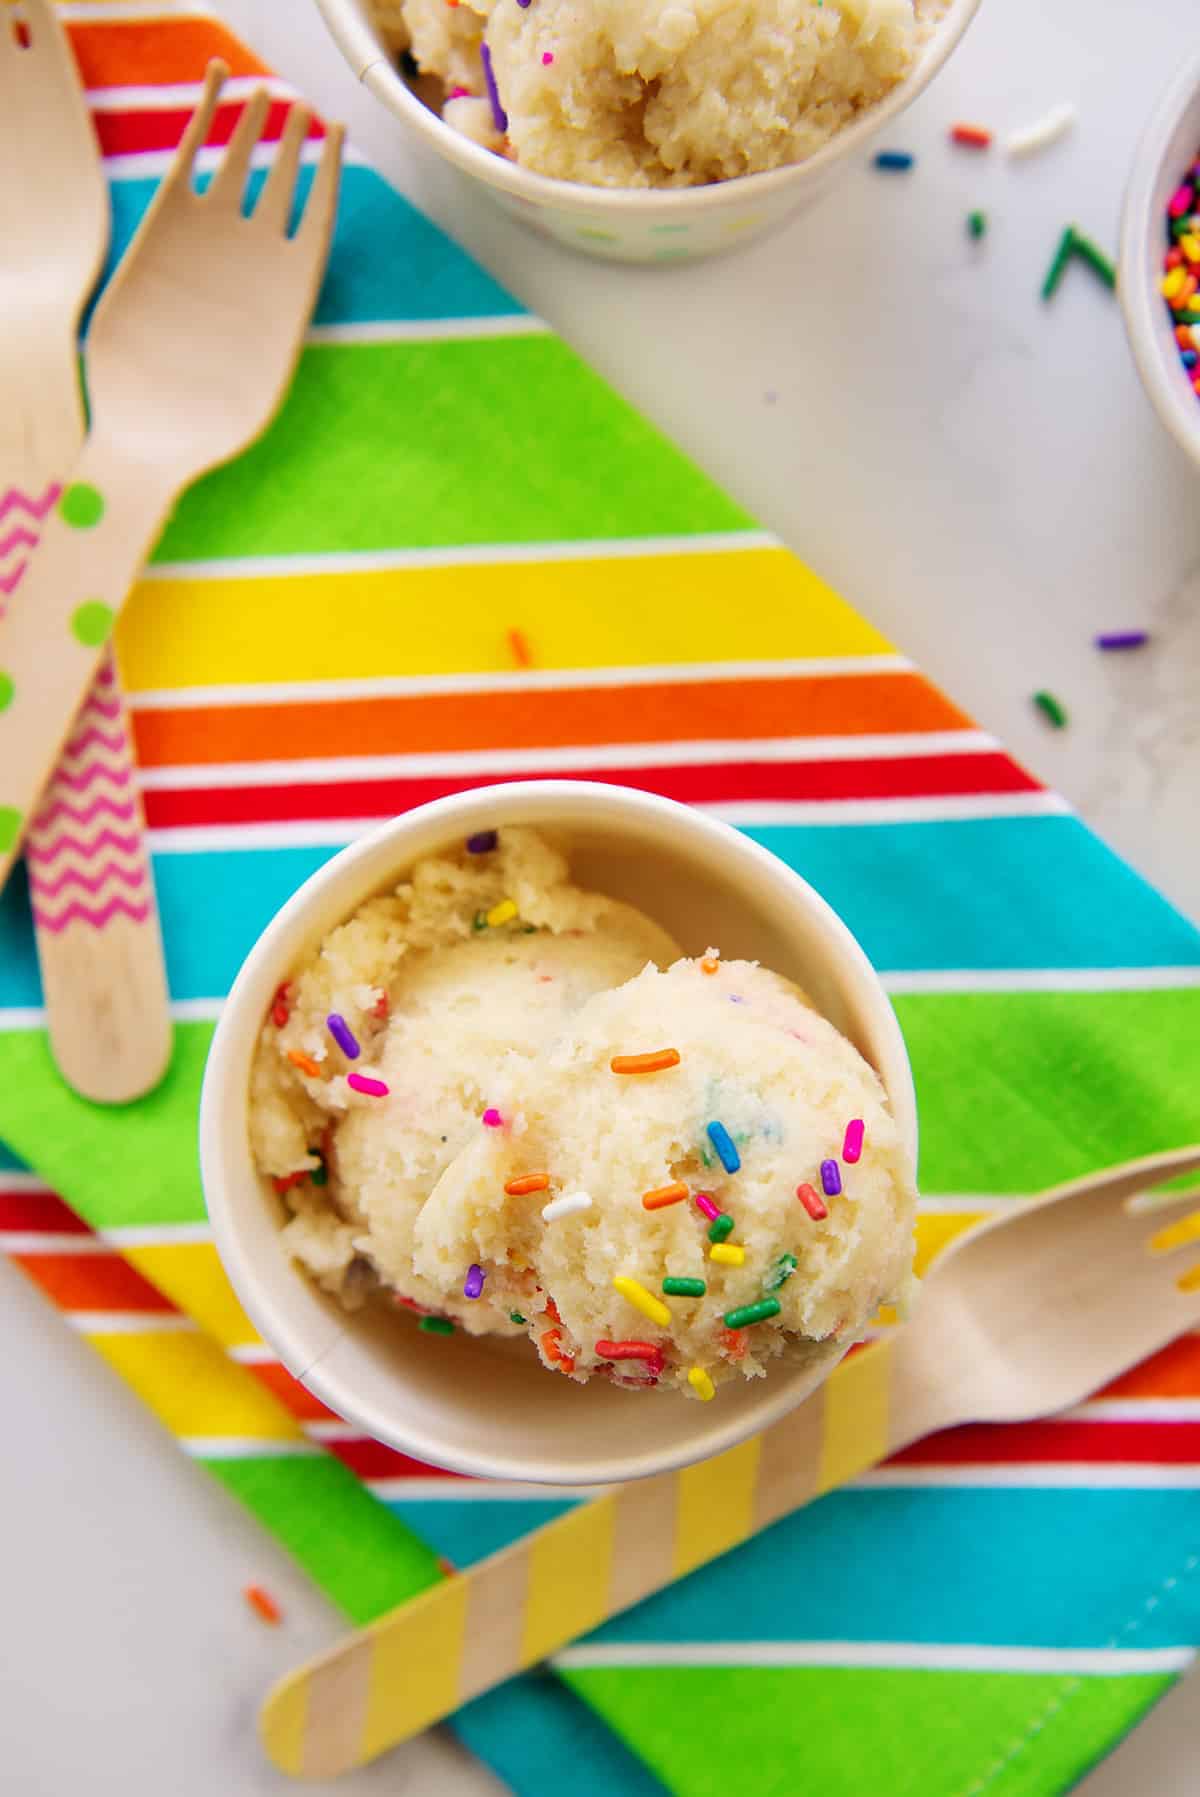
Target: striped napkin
326, 636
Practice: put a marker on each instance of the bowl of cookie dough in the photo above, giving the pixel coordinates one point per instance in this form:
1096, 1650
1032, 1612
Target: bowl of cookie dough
650, 131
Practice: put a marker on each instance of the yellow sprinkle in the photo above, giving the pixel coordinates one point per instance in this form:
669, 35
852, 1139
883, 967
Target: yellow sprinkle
701, 1384
728, 1253
642, 1300
1176, 1235
504, 912
1191, 247
1172, 282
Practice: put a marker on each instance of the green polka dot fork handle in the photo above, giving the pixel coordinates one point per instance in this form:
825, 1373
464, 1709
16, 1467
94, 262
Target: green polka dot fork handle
91, 888
189, 354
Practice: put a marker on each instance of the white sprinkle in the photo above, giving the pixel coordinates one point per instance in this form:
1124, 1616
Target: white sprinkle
1058, 121
569, 1205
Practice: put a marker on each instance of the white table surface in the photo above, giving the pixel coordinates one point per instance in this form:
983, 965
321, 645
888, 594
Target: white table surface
983, 477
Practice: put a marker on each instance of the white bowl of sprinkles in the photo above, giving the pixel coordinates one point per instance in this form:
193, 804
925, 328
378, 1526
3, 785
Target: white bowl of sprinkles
651, 225
482, 1405
1169, 147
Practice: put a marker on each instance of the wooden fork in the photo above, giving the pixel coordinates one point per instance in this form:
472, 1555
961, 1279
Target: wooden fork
1021, 1317
91, 888
189, 355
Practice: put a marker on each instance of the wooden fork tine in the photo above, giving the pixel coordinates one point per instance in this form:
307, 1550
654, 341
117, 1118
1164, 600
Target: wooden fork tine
275, 203
229, 181
179, 174
316, 226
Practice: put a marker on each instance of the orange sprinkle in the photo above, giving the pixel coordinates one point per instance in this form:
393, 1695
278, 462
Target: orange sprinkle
551, 1309
550, 1348
520, 648
645, 1063
446, 1567
734, 1342
263, 1604
528, 1182
709, 964
286, 1181
381, 1006
664, 1195
305, 1063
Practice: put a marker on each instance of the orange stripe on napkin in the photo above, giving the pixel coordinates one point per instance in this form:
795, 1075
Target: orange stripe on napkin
92, 1282
1174, 1372
304, 1406
155, 53
734, 710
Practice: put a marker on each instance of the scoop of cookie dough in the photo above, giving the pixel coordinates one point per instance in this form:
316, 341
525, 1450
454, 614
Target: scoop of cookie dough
747, 1097
445, 1008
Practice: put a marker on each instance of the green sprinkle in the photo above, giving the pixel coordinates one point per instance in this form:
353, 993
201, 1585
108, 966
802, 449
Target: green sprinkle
977, 225
752, 1313
436, 1325
1188, 316
1097, 261
780, 1273
530, 929
10, 827
1062, 255
706, 1157
92, 622
720, 1228
514, 1316
684, 1288
81, 506
319, 1175
480, 922
7, 689
1049, 706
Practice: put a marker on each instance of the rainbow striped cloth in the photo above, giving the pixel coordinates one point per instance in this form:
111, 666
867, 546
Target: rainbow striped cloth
323, 639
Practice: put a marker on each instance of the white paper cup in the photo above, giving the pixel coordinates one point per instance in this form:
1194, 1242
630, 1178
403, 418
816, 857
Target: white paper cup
634, 224
487, 1406
1166, 151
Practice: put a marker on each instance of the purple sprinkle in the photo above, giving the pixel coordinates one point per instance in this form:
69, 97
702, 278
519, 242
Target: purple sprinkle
371, 1088
474, 1283
499, 116
704, 1203
831, 1179
492, 1118
483, 842
852, 1147
343, 1035
1122, 639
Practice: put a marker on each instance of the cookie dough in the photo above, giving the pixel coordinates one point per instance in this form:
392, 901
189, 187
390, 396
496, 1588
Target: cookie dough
679, 1222
447, 987
665, 93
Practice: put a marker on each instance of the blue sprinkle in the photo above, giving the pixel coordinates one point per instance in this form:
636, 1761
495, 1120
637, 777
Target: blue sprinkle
1188, 358
722, 1141
831, 1178
894, 159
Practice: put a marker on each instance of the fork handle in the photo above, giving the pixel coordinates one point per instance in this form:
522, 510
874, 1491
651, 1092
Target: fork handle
54, 641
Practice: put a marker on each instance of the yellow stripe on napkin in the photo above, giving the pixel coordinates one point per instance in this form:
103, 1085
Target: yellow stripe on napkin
193, 1387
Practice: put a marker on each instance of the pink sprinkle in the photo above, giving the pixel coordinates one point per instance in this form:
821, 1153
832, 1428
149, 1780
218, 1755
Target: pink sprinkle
704, 1203
371, 1088
492, 1118
459, 93
852, 1146
547, 58
1181, 201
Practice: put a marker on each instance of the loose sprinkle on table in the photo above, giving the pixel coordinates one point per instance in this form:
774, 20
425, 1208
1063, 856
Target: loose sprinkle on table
304, 1062
730, 1254
436, 1325
720, 1228
483, 842
642, 1300
977, 225
701, 1384
1094, 256
752, 1313
343, 1035
780, 1273
526, 1182
705, 1204
630, 1351
974, 137
894, 161
1051, 708
852, 1144
664, 1195
492, 1118
813, 1203
372, 1088
473, 1284
569, 1205
263, 1605
722, 1141
1062, 255
1044, 132
657, 1062
683, 1288
1122, 639
831, 1179
519, 645
502, 913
